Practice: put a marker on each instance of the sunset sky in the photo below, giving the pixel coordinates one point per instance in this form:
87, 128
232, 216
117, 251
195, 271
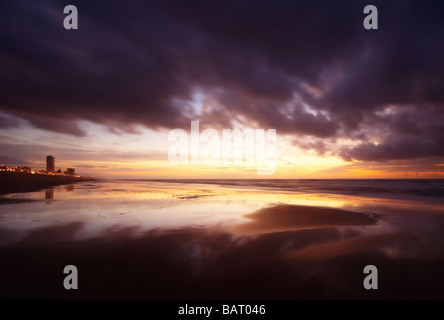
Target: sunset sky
345, 102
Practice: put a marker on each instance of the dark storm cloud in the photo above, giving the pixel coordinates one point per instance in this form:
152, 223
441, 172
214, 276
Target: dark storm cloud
307, 68
407, 132
119, 66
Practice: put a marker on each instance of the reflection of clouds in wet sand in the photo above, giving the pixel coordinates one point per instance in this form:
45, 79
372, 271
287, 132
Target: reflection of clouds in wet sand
130, 241
292, 217
197, 263
344, 247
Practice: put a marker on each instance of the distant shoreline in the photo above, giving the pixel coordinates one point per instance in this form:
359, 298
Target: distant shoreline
15, 182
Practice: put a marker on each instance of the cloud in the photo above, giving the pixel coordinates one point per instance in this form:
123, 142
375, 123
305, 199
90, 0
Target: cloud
406, 132
8, 121
308, 69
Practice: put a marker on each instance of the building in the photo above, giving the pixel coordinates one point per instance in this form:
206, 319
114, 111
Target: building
26, 169
50, 163
70, 171
16, 169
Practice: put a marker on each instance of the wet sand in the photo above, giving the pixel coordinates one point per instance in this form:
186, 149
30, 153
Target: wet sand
292, 217
197, 264
160, 243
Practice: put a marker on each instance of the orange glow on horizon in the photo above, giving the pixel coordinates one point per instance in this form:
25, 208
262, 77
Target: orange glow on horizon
336, 169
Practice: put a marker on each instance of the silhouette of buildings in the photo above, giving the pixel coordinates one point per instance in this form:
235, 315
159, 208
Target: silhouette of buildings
4, 168
50, 163
50, 169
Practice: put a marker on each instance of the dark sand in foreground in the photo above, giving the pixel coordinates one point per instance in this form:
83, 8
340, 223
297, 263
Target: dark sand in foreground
290, 217
301, 255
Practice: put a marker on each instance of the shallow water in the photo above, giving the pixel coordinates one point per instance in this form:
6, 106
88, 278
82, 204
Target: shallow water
147, 239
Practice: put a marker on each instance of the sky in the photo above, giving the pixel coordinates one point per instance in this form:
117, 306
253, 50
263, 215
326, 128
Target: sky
345, 102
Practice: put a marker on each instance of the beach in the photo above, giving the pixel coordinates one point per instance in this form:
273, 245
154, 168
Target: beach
144, 239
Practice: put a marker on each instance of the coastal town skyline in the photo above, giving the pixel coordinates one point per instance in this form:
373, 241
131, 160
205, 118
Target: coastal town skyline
49, 168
